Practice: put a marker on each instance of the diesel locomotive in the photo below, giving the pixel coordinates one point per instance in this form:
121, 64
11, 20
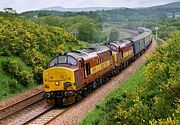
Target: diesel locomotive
74, 74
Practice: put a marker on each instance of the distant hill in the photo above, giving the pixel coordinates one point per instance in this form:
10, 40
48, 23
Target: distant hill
59, 8
62, 9
169, 5
113, 14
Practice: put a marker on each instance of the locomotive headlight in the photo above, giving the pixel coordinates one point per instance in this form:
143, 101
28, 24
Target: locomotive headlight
57, 83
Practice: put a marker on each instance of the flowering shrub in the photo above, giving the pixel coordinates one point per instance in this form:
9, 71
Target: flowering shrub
15, 70
34, 44
157, 102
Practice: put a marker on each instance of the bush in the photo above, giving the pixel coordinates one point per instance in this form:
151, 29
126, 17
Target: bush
34, 44
15, 70
157, 101
14, 86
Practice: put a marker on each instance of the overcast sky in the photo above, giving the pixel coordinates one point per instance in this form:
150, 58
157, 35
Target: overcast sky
25, 5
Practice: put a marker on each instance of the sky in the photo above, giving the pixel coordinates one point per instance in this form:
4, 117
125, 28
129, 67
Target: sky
26, 5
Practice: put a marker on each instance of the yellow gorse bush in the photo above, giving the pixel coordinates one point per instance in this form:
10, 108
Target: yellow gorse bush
34, 44
157, 102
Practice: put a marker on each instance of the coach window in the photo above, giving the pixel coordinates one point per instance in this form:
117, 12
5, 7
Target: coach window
88, 71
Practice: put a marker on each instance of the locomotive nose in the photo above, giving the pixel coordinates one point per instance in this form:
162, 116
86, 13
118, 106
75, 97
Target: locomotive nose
56, 75
58, 78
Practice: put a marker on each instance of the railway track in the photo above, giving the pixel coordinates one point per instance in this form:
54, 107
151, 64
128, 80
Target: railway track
50, 115
14, 109
26, 111
31, 115
47, 116
54, 112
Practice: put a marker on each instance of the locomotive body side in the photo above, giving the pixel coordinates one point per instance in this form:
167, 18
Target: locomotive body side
122, 51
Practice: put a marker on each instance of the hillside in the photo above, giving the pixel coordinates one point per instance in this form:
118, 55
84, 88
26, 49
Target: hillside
62, 9
59, 8
84, 28
171, 10
169, 5
26, 48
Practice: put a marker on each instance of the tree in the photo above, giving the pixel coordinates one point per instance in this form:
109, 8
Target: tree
87, 31
114, 35
10, 10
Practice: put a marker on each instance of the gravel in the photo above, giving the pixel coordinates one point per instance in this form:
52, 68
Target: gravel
80, 110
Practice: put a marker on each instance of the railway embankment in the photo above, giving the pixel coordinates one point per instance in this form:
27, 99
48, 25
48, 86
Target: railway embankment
150, 96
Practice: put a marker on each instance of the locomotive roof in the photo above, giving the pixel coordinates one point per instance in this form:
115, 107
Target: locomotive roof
121, 43
140, 36
87, 52
143, 29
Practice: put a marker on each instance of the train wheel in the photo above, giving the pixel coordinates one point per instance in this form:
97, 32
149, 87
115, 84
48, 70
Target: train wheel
69, 100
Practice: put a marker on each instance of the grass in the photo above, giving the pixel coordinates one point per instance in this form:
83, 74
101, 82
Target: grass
6, 80
98, 115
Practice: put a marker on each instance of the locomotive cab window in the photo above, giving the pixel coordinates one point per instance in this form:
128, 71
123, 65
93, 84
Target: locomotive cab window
63, 60
53, 62
71, 60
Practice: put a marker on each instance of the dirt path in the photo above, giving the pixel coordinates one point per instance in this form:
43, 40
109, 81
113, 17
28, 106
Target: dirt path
79, 111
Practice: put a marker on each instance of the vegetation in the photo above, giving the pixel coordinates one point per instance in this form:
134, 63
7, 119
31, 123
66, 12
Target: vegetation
83, 28
114, 35
104, 112
86, 25
155, 101
25, 50
166, 26
119, 14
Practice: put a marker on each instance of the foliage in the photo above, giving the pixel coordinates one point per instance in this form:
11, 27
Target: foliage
33, 44
119, 14
85, 29
114, 35
157, 100
16, 71
9, 10
104, 112
166, 26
